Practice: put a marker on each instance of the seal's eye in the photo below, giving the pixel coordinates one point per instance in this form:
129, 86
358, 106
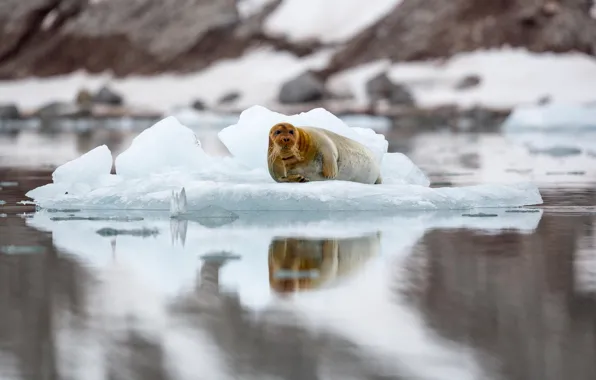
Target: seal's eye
292, 132
277, 132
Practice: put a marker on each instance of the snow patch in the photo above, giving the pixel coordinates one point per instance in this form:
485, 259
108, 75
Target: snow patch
327, 21
508, 78
257, 76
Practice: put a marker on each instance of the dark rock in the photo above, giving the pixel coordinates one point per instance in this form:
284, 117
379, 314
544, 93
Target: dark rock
306, 87
60, 109
9, 111
107, 96
381, 87
51, 37
198, 105
429, 29
230, 97
468, 82
544, 100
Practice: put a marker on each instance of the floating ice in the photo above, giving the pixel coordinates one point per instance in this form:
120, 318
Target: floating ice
551, 117
167, 157
248, 139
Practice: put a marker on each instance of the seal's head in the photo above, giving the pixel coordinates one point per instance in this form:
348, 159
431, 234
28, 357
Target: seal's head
284, 135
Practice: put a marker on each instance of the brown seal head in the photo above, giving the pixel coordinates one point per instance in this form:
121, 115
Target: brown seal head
284, 135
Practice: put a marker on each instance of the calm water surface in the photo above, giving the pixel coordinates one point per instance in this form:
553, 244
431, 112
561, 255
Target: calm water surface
434, 295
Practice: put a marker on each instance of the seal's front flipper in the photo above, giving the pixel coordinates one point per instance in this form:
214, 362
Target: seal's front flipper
294, 178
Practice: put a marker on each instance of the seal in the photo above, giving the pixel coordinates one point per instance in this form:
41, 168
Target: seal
304, 154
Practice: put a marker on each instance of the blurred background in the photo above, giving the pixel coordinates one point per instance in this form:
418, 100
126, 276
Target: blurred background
473, 91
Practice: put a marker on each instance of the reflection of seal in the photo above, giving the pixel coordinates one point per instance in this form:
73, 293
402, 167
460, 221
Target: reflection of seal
300, 264
314, 154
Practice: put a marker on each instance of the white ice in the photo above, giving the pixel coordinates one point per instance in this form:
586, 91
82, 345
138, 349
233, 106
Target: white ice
552, 117
168, 157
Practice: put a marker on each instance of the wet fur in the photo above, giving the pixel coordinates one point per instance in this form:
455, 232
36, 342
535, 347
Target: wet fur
319, 155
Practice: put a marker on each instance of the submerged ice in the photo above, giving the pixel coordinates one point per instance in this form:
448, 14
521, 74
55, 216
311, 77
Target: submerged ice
168, 157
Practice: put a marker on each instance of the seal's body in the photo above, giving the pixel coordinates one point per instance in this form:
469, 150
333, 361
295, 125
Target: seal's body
313, 154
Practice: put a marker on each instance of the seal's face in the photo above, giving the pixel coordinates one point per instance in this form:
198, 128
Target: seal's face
284, 135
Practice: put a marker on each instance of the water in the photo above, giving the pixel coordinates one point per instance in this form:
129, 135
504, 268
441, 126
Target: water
505, 294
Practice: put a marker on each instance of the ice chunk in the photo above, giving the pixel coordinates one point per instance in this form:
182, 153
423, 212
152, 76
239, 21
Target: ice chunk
397, 168
155, 193
551, 117
166, 146
247, 140
85, 169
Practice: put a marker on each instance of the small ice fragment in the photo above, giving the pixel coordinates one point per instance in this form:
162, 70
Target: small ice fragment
480, 215
21, 249
97, 218
3, 215
141, 232
9, 184
557, 151
71, 210
26, 203
522, 211
220, 256
2, 202
178, 203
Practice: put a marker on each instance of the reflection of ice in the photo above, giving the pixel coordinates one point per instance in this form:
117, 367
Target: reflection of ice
360, 307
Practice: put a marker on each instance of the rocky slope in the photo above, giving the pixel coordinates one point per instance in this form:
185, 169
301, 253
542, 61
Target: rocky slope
46, 38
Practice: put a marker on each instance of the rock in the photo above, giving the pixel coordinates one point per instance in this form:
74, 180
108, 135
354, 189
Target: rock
108, 97
468, 82
381, 87
9, 111
84, 99
198, 105
230, 97
60, 109
306, 87
430, 29
544, 100
52, 37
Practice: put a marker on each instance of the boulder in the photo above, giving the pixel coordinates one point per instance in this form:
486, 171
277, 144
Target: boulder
468, 81
108, 97
9, 112
306, 87
198, 105
60, 109
228, 98
381, 87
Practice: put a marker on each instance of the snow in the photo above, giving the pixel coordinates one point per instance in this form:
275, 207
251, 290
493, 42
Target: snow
248, 8
327, 21
168, 157
551, 117
509, 77
257, 76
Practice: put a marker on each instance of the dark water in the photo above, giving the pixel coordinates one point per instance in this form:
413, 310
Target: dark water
414, 296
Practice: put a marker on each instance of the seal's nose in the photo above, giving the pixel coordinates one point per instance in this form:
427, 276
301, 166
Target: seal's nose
285, 139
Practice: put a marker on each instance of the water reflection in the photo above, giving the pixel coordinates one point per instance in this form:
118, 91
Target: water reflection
297, 264
420, 295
